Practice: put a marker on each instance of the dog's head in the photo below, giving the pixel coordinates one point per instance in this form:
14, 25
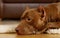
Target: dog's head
34, 16
32, 21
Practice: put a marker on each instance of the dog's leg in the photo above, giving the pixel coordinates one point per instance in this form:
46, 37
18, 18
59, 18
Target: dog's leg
54, 28
53, 24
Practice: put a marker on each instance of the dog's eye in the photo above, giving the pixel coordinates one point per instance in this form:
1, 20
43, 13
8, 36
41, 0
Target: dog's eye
28, 19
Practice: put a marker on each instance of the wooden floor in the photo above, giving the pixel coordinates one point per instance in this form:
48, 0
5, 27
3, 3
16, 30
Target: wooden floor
30, 36
13, 23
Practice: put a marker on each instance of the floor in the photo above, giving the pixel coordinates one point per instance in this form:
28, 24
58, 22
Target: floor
9, 26
29, 36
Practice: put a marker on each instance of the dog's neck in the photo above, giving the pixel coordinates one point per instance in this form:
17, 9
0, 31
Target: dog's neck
51, 12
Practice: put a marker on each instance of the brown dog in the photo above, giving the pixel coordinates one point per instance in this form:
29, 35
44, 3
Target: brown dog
37, 18
33, 20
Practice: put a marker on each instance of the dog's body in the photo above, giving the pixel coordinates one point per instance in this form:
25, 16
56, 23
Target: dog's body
52, 12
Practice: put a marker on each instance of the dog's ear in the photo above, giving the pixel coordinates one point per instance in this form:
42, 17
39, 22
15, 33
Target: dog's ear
27, 8
40, 8
25, 12
42, 12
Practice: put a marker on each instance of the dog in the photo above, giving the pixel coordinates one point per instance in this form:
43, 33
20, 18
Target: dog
37, 18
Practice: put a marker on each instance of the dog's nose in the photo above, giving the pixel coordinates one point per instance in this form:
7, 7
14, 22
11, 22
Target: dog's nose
16, 30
